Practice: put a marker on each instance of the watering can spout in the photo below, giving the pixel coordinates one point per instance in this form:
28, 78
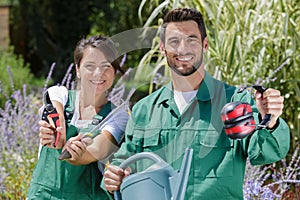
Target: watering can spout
181, 184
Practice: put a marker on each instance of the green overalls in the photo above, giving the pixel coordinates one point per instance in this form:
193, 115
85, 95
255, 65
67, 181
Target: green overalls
218, 164
56, 179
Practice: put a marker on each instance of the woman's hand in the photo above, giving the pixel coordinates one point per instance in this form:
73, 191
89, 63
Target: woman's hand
77, 146
48, 134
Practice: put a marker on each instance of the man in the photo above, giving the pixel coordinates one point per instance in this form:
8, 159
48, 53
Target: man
186, 113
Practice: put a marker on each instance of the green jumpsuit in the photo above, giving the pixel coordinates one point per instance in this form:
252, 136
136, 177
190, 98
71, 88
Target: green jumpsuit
218, 165
56, 180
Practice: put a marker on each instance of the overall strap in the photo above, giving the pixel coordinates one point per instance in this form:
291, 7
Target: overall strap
108, 107
70, 108
70, 105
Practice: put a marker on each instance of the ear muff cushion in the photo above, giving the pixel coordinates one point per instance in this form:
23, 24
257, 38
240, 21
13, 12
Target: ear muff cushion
239, 132
230, 107
240, 129
236, 111
238, 120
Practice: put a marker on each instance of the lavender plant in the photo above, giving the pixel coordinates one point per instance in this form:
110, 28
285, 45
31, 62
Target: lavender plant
19, 143
273, 182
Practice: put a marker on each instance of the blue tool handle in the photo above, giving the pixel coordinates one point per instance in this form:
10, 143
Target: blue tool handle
143, 155
264, 123
117, 195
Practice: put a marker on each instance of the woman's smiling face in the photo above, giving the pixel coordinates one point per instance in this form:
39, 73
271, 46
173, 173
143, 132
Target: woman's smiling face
95, 72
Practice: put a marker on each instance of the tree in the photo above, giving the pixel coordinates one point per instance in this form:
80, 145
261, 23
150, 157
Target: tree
47, 31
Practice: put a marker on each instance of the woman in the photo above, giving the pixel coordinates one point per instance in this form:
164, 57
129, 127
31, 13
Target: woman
79, 112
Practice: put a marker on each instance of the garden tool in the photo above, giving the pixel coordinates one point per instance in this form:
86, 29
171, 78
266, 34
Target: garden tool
50, 112
118, 93
95, 131
159, 181
238, 117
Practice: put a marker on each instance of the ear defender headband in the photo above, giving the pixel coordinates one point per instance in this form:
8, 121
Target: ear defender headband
238, 117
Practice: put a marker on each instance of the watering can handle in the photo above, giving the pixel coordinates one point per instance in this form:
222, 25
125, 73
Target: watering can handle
143, 155
136, 157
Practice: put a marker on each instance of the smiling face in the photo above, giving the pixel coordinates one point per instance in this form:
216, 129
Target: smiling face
95, 72
183, 47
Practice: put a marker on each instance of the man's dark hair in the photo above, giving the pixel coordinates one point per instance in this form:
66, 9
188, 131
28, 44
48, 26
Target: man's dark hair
181, 15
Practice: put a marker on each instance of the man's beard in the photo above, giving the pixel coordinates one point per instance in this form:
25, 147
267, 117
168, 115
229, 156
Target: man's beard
195, 67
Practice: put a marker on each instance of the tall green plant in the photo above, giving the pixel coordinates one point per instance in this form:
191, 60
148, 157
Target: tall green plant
250, 40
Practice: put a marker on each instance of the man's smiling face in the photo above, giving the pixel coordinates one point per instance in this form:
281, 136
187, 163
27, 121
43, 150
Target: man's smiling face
183, 47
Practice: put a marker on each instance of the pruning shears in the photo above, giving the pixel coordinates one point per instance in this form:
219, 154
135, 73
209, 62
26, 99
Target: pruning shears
51, 116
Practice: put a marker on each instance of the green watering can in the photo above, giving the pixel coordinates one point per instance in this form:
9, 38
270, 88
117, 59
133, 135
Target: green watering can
159, 181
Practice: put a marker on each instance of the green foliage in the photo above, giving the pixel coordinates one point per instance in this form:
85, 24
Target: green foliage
15, 73
19, 168
114, 17
47, 31
19, 143
4, 2
250, 40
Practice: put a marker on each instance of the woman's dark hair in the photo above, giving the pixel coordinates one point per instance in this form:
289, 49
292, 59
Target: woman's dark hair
181, 15
102, 43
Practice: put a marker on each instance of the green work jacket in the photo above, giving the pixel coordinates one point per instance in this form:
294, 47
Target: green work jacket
218, 164
59, 180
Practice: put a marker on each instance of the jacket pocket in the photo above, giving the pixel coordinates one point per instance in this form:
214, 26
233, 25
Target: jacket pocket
146, 138
214, 154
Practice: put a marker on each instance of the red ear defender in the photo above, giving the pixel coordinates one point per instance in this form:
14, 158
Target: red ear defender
238, 117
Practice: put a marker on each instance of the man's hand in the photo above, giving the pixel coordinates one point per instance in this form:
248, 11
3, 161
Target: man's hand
113, 177
270, 102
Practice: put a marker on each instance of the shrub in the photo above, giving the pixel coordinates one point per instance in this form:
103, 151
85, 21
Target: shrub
14, 73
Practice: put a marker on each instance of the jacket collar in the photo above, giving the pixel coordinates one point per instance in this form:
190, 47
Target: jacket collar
205, 92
